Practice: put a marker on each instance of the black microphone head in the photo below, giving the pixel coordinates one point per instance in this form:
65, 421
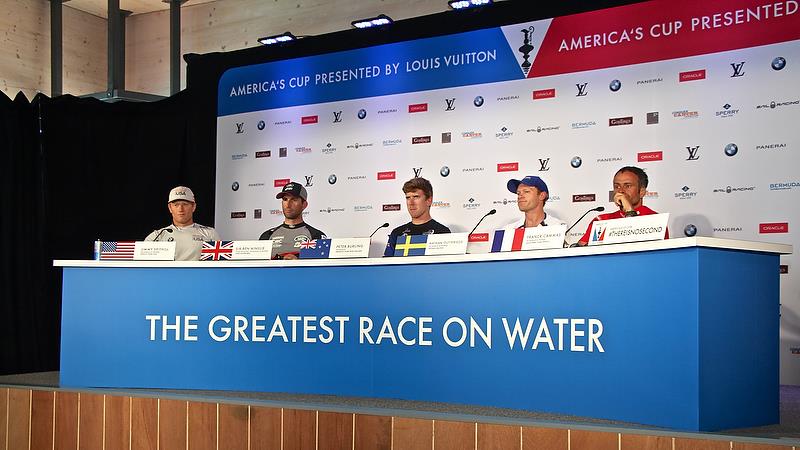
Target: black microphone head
600, 208
491, 212
385, 225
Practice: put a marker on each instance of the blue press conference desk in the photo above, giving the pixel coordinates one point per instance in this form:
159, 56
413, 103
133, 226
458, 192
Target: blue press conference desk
680, 333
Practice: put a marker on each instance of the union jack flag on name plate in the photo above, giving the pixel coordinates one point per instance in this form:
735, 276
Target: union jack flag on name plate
117, 250
216, 250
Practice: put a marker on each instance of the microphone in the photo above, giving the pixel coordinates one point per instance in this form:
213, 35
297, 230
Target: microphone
376, 229
598, 209
168, 230
479, 222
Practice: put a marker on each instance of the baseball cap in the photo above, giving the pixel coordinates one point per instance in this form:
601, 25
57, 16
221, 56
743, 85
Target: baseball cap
181, 193
295, 189
530, 180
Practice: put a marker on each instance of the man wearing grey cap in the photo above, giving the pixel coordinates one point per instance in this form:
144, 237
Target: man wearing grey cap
287, 237
532, 194
187, 234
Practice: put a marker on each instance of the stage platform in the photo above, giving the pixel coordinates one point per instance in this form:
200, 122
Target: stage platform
36, 413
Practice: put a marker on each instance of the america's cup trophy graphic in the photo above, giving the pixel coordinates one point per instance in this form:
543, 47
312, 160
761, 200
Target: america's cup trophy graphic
526, 49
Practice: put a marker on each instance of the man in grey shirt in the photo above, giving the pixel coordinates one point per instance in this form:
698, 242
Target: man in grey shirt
287, 237
187, 234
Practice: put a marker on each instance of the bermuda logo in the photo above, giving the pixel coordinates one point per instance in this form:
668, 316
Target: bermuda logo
526, 48
581, 89
738, 69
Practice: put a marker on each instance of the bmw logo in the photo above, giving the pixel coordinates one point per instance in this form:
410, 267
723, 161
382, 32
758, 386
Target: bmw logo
444, 171
261, 125
332, 179
772, 105
690, 230
362, 113
576, 162
478, 101
615, 85
235, 186
778, 63
731, 149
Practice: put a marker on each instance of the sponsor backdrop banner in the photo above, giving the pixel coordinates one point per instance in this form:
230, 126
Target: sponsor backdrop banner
702, 95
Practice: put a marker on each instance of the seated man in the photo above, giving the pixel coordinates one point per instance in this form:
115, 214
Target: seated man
288, 236
188, 236
630, 187
419, 197
532, 194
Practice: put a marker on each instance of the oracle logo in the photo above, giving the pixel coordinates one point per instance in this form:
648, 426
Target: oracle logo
650, 156
778, 227
479, 237
282, 182
544, 93
309, 119
386, 175
419, 107
692, 75
508, 167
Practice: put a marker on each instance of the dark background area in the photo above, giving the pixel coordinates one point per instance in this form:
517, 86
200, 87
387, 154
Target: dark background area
78, 169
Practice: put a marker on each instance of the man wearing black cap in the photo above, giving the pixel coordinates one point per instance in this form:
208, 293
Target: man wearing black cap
288, 236
532, 194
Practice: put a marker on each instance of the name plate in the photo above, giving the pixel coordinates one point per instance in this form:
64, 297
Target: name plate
252, 250
337, 248
431, 244
447, 244
533, 238
629, 229
154, 251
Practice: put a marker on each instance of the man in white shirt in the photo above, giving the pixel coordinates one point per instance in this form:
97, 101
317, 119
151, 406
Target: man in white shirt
187, 234
532, 194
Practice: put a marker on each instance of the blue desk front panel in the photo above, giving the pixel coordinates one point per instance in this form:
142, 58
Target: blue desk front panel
650, 371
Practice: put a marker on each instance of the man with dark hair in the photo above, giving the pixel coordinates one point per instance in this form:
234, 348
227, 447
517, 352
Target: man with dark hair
287, 237
630, 187
419, 197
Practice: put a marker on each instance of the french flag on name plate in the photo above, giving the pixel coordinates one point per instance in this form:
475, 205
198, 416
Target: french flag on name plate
216, 250
315, 248
117, 250
508, 240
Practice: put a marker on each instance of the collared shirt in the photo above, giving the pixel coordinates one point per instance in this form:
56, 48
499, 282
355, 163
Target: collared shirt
188, 240
618, 214
549, 220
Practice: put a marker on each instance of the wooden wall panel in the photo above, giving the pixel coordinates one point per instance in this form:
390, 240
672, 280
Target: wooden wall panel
19, 407
412, 434
549, 438
3, 416
42, 404
226, 26
750, 446
335, 430
202, 430
66, 421
373, 432
299, 429
144, 423
265, 428
641, 442
25, 49
233, 426
172, 424
453, 435
498, 437
90, 421
593, 440
700, 444
118, 423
